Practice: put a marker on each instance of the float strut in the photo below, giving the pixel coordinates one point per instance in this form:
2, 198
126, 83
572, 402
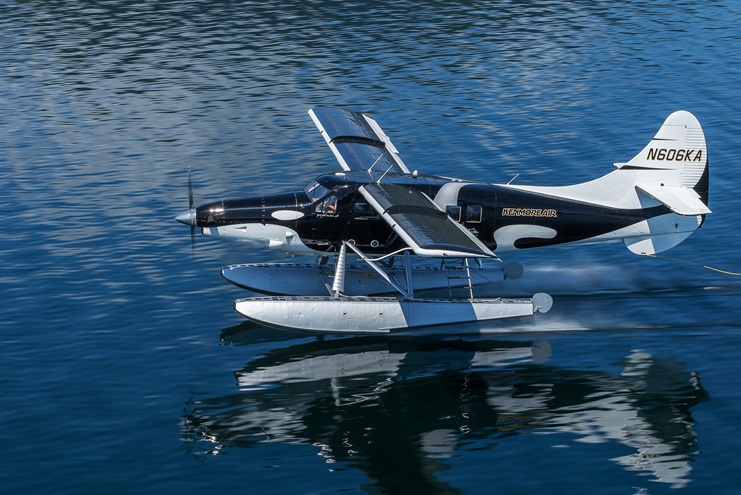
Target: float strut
338, 284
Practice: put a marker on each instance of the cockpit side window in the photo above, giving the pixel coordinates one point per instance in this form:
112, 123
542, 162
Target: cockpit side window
328, 205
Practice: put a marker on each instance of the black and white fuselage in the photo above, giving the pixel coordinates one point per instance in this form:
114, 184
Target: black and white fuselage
377, 207
651, 203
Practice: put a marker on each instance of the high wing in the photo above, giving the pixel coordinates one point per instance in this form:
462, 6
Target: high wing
357, 141
416, 219
359, 144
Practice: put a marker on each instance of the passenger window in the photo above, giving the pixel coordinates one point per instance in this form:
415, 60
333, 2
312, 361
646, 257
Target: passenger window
474, 213
363, 210
454, 211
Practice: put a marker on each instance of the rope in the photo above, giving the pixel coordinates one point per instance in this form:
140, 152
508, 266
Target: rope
724, 272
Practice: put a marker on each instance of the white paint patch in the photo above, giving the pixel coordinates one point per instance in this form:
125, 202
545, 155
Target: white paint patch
507, 236
661, 233
286, 215
263, 236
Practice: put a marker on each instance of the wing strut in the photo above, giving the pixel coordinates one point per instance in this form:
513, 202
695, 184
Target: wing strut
407, 293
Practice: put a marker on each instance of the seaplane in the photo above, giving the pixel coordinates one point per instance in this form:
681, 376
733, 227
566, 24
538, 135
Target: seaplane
381, 231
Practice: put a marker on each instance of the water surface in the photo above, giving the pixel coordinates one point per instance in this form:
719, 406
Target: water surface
126, 370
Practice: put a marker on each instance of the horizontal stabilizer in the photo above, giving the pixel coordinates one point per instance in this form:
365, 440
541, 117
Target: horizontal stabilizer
681, 200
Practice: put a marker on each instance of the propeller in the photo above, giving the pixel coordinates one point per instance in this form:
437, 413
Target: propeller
189, 217
192, 211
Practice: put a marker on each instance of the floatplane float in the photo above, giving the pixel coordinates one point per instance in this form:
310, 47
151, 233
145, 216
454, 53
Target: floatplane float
386, 218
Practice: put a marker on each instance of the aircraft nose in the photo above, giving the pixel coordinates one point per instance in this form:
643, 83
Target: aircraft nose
188, 217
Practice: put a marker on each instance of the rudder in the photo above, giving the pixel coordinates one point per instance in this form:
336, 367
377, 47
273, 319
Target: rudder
676, 174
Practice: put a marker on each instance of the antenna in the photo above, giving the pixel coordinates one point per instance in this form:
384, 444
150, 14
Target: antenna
513, 178
374, 163
384, 174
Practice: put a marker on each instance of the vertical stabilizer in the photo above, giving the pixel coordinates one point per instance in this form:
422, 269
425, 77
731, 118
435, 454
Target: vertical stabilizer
673, 170
678, 149
670, 171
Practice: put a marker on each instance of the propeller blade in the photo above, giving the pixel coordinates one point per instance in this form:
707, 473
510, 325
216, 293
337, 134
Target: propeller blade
193, 241
191, 204
192, 210
188, 217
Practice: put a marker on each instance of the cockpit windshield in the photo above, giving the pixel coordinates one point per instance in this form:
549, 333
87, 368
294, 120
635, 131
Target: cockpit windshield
316, 191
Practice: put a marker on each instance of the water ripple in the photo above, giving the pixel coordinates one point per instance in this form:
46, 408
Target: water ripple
111, 318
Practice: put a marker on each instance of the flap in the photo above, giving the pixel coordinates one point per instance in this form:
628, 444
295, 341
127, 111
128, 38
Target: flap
681, 200
421, 224
357, 141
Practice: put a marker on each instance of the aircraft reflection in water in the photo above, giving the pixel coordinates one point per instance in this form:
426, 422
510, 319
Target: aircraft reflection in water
398, 409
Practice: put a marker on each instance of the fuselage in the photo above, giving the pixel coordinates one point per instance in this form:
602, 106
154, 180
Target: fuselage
331, 210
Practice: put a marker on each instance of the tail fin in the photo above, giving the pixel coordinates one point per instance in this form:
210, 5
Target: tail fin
673, 170
680, 152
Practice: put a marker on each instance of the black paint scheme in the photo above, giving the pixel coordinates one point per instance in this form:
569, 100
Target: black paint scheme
334, 211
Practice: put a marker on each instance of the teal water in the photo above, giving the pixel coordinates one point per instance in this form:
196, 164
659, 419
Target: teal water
122, 364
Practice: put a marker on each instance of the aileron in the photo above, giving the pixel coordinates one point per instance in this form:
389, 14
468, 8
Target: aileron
357, 141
